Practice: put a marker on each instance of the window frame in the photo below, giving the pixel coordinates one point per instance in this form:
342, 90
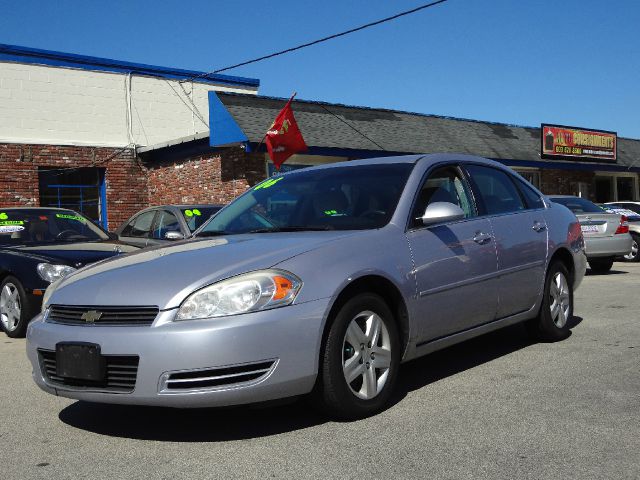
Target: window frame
521, 186
136, 217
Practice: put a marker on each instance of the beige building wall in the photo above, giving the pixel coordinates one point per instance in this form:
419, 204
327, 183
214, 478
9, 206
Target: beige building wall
66, 106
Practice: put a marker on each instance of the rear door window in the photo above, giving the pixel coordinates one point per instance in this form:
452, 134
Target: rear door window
531, 197
495, 189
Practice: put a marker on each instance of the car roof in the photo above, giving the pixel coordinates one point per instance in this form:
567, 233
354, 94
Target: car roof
432, 158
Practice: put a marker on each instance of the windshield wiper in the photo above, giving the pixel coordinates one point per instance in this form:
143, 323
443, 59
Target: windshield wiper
292, 228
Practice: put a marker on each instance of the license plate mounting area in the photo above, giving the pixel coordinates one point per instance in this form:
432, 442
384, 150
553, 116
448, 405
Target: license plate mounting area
80, 361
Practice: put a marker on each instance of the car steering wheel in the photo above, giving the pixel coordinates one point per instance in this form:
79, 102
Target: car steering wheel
65, 233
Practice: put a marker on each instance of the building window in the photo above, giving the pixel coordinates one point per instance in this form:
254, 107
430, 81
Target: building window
79, 189
612, 187
625, 188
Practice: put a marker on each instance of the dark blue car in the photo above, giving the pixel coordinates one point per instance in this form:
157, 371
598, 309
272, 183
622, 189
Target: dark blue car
39, 246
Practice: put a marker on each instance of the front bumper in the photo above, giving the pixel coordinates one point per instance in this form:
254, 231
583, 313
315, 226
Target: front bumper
614, 246
288, 338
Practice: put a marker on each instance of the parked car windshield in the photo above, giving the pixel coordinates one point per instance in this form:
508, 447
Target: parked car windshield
336, 198
197, 216
41, 226
578, 205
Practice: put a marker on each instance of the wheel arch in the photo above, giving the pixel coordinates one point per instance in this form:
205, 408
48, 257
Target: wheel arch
381, 286
563, 255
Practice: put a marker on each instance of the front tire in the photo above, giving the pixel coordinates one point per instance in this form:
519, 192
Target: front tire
360, 359
14, 310
601, 265
552, 323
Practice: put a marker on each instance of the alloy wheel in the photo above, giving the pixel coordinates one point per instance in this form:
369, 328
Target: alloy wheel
366, 355
10, 307
560, 300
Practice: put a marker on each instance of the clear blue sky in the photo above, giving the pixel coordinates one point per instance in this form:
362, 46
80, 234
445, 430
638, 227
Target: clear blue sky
572, 62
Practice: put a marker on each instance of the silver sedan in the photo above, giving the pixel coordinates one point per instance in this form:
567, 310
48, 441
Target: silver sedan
322, 282
606, 235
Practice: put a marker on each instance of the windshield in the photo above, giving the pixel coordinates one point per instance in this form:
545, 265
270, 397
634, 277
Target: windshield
39, 226
578, 205
197, 216
337, 198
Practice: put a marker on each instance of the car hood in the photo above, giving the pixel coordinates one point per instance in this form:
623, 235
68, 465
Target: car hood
75, 254
166, 275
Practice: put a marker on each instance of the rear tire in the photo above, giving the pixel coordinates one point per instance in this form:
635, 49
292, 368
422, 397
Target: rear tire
601, 265
15, 312
359, 361
633, 255
552, 323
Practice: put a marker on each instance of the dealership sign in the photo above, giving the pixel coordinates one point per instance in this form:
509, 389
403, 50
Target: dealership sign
577, 143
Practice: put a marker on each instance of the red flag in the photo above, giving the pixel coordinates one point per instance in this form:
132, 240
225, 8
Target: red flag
283, 138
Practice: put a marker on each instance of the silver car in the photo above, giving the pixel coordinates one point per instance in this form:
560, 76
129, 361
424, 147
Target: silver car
162, 224
321, 281
606, 235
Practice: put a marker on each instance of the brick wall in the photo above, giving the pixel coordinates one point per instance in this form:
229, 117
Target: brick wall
126, 181
564, 182
215, 178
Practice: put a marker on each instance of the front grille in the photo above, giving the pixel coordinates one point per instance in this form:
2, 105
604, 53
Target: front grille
218, 377
96, 315
121, 373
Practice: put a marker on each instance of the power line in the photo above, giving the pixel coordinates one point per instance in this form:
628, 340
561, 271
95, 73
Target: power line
315, 42
352, 127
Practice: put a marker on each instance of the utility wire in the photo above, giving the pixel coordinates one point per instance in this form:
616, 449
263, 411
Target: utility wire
321, 40
352, 127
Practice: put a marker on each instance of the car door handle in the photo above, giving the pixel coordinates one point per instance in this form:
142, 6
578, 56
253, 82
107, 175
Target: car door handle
482, 238
539, 227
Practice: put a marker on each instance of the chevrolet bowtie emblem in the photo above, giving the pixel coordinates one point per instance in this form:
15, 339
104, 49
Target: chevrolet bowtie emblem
91, 316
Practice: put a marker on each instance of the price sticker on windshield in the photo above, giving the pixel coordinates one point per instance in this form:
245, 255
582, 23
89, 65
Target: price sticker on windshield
191, 213
4, 216
10, 228
269, 183
70, 217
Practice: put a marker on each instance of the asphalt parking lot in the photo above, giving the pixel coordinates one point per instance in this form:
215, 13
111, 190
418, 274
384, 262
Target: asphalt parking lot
495, 407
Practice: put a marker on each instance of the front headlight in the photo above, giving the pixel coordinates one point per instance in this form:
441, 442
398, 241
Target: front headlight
50, 273
250, 292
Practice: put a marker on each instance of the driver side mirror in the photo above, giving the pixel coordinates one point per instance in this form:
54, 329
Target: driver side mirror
440, 212
173, 236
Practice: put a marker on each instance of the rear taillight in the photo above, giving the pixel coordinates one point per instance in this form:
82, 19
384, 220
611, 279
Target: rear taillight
624, 225
575, 235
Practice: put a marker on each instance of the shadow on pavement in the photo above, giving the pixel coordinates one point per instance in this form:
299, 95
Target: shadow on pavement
591, 273
190, 425
458, 358
244, 422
